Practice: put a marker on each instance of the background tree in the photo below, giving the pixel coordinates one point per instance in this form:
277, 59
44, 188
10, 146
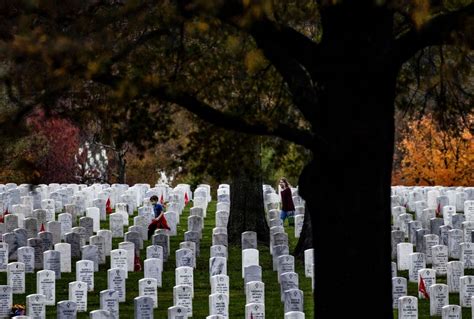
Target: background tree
431, 156
61, 137
47, 153
338, 62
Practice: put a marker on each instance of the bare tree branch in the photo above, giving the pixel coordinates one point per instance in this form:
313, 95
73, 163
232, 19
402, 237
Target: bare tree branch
439, 30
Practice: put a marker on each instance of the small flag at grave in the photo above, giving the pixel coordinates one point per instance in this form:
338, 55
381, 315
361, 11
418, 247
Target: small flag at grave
42, 227
108, 209
138, 265
161, 199
422, 288
186, 199
438, 210
2, 217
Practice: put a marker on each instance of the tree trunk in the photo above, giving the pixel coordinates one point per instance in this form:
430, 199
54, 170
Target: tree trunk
347, 184
121, 167
247, 212
306, 236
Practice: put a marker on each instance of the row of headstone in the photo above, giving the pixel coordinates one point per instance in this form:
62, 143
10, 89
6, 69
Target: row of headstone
434, 197
55, 257
283, 262
189, 249
219, 297
36, 252
421, 239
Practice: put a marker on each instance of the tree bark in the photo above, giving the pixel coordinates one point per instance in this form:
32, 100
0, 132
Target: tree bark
121, 168
247, 212
347, 184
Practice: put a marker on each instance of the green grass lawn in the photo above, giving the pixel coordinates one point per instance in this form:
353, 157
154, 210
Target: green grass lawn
202, 288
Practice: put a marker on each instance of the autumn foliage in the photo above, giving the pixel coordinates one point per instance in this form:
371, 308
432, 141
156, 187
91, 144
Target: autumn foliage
431, 156
61, 137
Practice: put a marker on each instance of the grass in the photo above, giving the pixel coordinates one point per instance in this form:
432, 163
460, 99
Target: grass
202, 288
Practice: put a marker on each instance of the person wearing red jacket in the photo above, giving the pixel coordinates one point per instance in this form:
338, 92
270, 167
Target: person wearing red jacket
287, 206
159, 222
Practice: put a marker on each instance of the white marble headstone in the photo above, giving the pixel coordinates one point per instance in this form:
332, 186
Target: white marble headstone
148, 287
219, 304
36, 306
399, 289
16, 277
439, 297
116, 281
109, 301
466, 290
255, 311
451, 312
455, 270
78, 294
255, 292
153, 269
46, 285
6, 301
182, 296
85, 273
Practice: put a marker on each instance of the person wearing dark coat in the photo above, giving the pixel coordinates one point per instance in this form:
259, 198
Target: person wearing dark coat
287, 205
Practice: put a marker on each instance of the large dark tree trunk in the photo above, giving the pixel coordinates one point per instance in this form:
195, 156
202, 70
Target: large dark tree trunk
347, 184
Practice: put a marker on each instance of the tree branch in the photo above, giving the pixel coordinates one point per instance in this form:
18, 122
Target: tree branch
230, 121
437, 31
143, 39
293, 54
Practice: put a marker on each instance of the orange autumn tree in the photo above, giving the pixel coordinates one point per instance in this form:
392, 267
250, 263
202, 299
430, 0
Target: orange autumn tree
431, 156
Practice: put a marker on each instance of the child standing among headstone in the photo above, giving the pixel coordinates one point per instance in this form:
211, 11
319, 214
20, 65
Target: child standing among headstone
287, 206
159, 222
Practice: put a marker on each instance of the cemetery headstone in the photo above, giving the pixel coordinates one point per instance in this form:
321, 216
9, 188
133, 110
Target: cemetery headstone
116, 281
78, 294
46, 285
36, 306
148, 287
16, 277
439, 297
85, 273
143, 307
52, 261
293, 300
399, 289
109, 301
26, 255
182, 296
66, 309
